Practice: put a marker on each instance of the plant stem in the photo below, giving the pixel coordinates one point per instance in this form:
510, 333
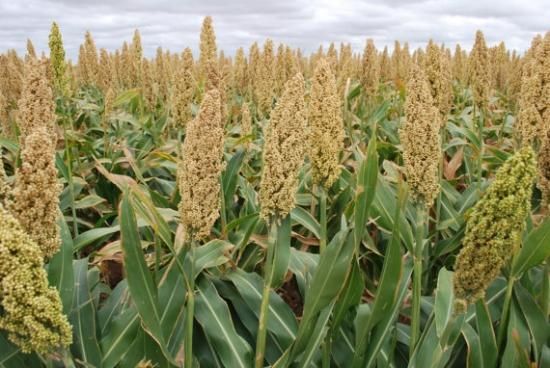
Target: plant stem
190, 312
480, 156
264, 308
505, 312
322, 218
545, 295
71, 184
326, 350
417, 275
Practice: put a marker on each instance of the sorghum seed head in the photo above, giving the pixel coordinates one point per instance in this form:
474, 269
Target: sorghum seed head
326, 128
36, 106
200, 168
36, 192
284, 150
420, 139
494, 228
32, 312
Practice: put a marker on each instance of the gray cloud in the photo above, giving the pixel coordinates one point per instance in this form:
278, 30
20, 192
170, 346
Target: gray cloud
300, 23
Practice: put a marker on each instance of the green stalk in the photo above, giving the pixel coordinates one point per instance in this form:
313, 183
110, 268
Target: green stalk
157, 257
505, 312
223, 211
443, 135
545, 295
190, 312
71, 183
322, 246
327, 350
480, 156
264, 310
417, 274
322, 218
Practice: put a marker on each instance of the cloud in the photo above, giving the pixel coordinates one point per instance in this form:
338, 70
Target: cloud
175, 25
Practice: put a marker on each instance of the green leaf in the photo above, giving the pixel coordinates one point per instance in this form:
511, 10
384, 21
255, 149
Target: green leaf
230, 176
486, 334
212, 313
535, 249
60, 268
305, 219
536, 321
386, 292
365, 190
325, 287
308, 356
90, 200
93, 235
474, 347
83, 317
115, 304
443, 306
120, 337
351, 296
282, 322
281, 256
382, 330
140, 280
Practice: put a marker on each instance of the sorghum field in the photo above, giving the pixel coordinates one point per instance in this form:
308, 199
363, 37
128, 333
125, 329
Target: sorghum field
272, 208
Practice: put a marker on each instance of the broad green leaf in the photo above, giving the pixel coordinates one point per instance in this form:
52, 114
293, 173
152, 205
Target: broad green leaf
475, 359
326, 285
281, 322
382, 330
83, 317
212, 313
536, 321
120, 337
115, 304
140, 280
535, 249
230, 176
365, 190
387, 292
307, 358
281, 256
93, 235
60, 268
443, 301
305, 219
486, 334
90, 200
517, 340
351, 296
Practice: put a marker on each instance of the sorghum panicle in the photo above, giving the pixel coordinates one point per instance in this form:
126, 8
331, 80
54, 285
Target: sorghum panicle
326, 127
284, 150
32, 312
200, 168
494, 227
420, 139
36, 192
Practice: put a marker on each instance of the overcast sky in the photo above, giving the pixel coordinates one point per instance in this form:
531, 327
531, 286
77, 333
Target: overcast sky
175, 24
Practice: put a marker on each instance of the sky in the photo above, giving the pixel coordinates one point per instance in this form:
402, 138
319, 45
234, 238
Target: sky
175, 24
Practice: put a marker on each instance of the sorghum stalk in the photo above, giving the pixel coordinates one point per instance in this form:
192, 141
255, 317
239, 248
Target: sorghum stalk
198, 179
283, 156
421, 153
